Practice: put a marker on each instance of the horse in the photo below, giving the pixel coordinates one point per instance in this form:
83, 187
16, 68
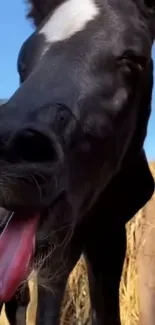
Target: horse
72, 154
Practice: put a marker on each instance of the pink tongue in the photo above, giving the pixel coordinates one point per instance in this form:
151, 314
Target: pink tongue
16, 248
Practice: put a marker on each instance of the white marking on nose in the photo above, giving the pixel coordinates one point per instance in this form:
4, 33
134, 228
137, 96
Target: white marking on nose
68, 19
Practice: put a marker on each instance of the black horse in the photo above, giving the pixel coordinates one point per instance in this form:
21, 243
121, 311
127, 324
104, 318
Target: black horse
72, 166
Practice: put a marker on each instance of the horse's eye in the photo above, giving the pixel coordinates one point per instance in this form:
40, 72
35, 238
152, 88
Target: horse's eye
133, 63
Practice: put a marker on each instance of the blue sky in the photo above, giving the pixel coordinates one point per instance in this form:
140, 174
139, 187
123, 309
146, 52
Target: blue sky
14, 29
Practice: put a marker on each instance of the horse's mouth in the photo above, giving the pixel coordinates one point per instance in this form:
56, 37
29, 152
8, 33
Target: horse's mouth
17, 247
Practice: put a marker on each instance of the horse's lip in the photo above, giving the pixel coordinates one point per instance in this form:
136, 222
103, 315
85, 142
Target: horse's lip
7, 213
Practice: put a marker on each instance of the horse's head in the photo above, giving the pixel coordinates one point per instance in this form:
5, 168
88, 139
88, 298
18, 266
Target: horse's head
85, 74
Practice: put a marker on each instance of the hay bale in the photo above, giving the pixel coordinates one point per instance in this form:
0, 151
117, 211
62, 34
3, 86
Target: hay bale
76, 306
128, 288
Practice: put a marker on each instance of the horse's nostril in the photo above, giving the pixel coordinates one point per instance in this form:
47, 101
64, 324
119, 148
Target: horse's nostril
33, 146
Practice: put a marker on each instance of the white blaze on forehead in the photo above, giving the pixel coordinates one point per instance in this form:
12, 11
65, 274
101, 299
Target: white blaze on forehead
68, 19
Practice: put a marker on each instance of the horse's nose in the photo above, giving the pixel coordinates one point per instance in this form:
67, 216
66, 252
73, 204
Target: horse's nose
32, 145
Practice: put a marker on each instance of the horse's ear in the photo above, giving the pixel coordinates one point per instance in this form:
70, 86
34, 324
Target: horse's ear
35, 12
39, 9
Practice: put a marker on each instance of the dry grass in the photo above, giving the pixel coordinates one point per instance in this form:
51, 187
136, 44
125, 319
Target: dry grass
128, 292
76, 307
